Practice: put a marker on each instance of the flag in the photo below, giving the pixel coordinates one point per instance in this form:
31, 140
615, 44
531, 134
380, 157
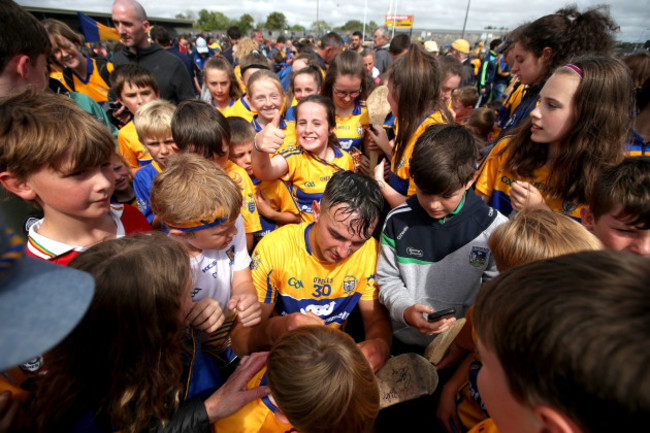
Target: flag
94, 31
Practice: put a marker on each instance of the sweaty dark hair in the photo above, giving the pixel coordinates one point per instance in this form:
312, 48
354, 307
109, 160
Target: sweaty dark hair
444, 159
358, 194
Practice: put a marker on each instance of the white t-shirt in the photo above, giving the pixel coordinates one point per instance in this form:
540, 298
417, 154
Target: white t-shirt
212, 270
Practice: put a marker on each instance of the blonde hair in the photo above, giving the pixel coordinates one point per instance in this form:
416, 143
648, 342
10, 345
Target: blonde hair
193, 188
245, 46
467, 96
154, 119
536, 234
263, 74
322, 382
39, 130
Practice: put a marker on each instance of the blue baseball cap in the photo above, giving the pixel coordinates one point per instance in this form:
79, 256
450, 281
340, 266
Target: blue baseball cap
40, 302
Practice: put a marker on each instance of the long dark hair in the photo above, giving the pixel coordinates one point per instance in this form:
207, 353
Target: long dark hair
416, 78
569, 33
603, 109
123, 359
345, 63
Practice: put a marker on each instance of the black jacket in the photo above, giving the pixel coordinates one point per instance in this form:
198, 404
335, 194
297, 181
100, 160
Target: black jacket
171, 75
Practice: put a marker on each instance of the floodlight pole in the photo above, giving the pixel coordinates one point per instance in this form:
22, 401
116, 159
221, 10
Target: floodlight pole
462, 36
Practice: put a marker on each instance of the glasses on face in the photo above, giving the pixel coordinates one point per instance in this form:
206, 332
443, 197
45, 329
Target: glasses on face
341, 94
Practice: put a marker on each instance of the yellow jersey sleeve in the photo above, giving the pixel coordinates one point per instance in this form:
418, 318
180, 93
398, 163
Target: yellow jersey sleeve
130, 147
249, 209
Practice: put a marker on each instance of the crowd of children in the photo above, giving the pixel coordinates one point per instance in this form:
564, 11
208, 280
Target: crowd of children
252, 220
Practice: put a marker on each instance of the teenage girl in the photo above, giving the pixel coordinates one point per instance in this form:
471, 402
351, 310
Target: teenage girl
577, 130
304, 82
548, 42
220, 80
126, 365
273, 196
309, 166
80, 73
414, 96
346, 84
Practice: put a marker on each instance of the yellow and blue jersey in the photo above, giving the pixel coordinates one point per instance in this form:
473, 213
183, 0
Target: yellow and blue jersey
256, 416
400, 171
92, 84
130, 147
495, 182
351, 130
248, 208
287, 274
278, 192
637, 145
240, 108
309, 175
142, 183
223, 110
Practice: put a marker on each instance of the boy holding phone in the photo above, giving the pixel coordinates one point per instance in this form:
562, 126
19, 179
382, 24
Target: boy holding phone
434, 248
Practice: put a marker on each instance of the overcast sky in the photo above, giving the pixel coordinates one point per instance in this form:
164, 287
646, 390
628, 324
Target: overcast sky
633, 16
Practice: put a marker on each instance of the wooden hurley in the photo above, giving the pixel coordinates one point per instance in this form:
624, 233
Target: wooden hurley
378, 109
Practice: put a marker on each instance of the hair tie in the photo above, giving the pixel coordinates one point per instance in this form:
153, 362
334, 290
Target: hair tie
574, 68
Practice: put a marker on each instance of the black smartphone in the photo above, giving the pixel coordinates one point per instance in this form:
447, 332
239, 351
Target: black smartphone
372, 128
437, 315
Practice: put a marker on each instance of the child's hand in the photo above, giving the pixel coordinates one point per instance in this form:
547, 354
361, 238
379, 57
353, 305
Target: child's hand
414, 317
379, 171
233, 394
524, 195
206, 315
264, 205
269, 139
446, 411
364, 165
379, 140
249, 310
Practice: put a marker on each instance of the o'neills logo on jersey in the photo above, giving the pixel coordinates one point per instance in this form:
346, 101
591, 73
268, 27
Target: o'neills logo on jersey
349, 284
414, 252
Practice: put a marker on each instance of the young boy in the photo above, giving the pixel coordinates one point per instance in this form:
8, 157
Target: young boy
273, 199
462, 103
153, 124
133, 86
434, 251
57, 157
200, 206
564, 344
619, 208
200, 128
346, 399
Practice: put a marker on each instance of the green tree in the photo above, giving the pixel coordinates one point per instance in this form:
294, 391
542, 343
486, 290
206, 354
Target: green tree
276, 21
212, 21
297, 28
246, 23
371, 27
320, 27
351, 25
